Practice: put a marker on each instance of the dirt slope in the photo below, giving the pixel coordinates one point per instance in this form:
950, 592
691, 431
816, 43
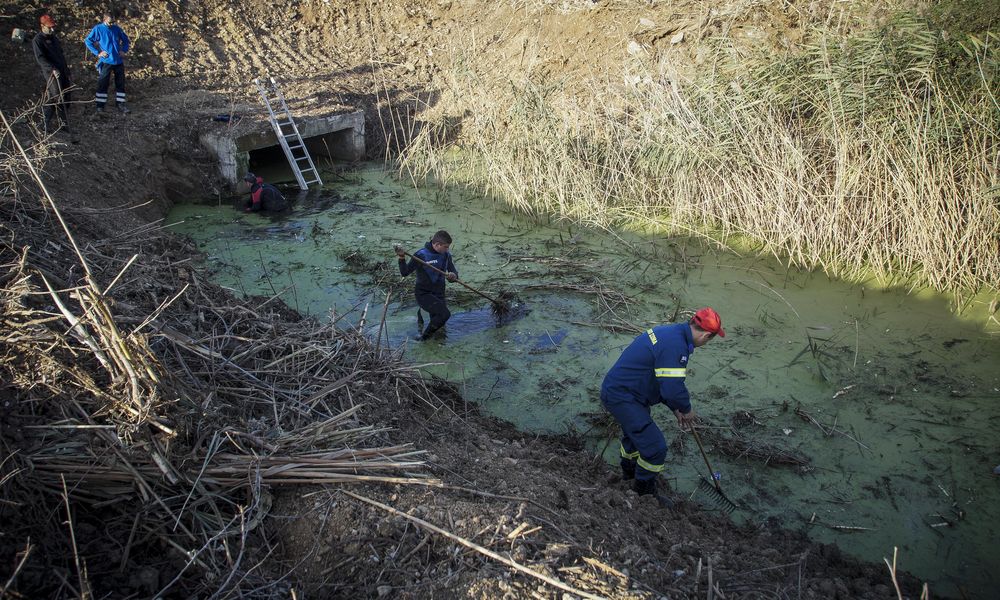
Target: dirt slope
544, 502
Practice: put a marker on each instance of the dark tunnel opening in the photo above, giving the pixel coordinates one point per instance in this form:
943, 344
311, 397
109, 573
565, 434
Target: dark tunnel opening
270, 161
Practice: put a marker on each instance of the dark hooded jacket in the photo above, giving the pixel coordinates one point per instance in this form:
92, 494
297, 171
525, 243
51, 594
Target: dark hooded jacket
428, 279
49, 55
264, 196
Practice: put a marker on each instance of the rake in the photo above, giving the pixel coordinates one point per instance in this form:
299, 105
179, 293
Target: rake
713, 490
500, 306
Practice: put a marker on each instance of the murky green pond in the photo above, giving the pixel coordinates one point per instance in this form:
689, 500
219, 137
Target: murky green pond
866, 417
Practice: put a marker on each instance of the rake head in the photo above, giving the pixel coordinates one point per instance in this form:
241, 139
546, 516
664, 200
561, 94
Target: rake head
500, 309
507, 307
715, 493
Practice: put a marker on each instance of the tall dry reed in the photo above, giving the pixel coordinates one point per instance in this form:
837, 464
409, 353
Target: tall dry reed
870, 155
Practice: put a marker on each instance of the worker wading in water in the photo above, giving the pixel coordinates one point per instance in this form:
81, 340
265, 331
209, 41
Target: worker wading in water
263, 196
651, 370
429, 289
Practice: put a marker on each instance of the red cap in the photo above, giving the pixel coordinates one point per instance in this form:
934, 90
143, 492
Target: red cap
709, 320
47, 21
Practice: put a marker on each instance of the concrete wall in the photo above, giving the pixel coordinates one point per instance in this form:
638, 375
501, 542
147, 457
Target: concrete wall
341, 137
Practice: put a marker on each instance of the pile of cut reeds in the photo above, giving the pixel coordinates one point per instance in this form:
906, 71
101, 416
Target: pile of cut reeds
154, 411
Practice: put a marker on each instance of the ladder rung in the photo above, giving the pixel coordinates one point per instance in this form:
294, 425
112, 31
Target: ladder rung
275, 104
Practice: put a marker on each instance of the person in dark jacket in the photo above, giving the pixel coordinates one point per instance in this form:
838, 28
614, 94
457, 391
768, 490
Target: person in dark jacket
430, 285
109, 44
263, 196
50, 58
651, 370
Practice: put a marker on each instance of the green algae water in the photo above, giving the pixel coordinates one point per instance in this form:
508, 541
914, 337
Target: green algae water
866, 417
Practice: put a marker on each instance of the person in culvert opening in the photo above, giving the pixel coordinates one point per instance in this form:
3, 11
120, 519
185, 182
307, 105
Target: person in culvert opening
263, 196
651, 370
430, 285
51, 60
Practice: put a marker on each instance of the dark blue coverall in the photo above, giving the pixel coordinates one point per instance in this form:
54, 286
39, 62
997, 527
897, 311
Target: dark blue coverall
429, 289
650, 370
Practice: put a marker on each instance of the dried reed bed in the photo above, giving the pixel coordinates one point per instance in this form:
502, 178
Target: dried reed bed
137, 398
873, 155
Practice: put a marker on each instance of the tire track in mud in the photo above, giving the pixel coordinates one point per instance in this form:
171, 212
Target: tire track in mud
270, 52
237, 46
211, 57
286, 60
310, 48
234, 41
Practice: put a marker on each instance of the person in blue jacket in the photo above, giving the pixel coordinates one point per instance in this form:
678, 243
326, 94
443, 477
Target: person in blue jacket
430, 285
109, 44
651, 370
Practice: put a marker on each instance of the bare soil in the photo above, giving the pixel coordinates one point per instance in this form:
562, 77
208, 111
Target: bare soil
544, 502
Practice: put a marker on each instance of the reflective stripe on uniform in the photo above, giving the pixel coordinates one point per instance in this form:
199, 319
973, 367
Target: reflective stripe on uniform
649, 466
630, 455
652, 336
638, 459
680, 372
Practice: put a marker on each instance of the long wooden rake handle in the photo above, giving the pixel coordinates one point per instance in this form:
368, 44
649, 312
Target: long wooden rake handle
711, 473
445, 273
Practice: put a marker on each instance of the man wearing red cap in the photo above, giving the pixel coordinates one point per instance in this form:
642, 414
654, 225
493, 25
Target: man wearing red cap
651, 370
49, 56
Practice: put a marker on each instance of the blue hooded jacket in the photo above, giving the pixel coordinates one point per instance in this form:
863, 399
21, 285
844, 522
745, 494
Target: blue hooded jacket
427, 278
110, 39
652, 369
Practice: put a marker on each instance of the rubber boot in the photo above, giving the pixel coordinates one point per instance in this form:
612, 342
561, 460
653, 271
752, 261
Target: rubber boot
426, 335
628, 469
420, 327
646, 487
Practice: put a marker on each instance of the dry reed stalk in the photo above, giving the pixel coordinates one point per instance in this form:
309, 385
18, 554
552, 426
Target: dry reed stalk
81, 566
473, 546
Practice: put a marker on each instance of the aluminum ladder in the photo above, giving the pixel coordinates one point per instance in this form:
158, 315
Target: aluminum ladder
287, 133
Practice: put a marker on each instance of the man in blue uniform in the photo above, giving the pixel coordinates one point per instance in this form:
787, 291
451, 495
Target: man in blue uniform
429, 289
109, 43
651, 370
